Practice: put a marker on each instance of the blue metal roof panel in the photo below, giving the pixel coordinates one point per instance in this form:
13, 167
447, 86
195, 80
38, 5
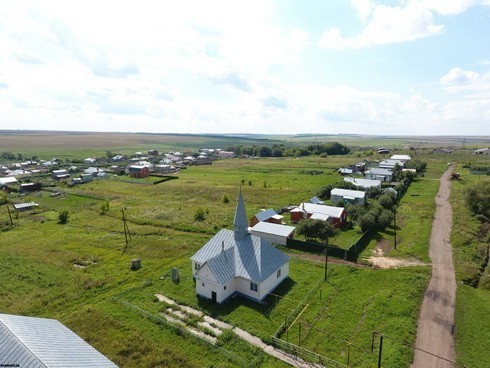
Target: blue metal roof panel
51, 343
265, 215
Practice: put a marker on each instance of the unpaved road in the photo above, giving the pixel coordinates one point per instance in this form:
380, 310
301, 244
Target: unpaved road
436, 319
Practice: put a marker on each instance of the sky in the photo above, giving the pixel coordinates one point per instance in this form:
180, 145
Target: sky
407, 67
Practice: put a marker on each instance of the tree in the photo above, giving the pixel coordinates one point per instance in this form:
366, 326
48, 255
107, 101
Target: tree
478, 199
265, 151
387, 200
326, 231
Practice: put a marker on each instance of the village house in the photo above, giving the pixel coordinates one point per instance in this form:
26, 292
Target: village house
139, 171
482, 151
226, 154
357, 197
390, 164
364, 183
60, 174
384, 175
337, 216
266, 216
235, 262
46, 343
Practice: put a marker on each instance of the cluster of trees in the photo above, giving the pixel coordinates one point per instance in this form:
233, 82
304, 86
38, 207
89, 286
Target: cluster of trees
316, 229
377, 215
280, 150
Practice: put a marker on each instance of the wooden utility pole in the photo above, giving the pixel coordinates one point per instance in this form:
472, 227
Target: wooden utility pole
10, 216
126, 229
326, 261
394, 223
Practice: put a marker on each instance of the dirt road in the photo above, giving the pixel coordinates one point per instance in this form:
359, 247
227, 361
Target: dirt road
436, 319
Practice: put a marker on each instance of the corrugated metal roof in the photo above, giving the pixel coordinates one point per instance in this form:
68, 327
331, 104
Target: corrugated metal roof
377, 171
320, 216
8, 180
274, 229
251, 258
20, 206
320, 208
364, 183
348, 193
265, 215
45, 343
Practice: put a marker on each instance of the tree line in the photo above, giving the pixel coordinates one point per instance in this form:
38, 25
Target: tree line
280, 150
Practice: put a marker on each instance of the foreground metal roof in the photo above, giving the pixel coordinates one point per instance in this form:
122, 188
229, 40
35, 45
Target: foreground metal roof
30, 342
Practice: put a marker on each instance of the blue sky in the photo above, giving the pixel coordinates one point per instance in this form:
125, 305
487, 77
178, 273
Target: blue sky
257, 66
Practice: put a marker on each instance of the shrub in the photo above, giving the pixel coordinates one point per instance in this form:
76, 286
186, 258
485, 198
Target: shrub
226, 199
63, 217
199, 215
104, 207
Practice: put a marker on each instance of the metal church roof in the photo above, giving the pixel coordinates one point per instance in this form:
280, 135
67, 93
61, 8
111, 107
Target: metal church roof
251, 258
31, 342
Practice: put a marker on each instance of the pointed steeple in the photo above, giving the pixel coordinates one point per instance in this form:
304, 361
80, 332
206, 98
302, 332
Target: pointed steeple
240, 223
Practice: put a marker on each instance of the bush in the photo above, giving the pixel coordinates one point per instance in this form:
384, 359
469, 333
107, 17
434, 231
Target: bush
199, 215
226, 199
63, 217
104, 207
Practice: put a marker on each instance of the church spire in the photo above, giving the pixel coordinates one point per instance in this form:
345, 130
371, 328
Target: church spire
240, 223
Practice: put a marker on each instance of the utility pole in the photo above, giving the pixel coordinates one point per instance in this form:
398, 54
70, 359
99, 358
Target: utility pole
380, 350
326, 261
394, 223
10, 216
126, 229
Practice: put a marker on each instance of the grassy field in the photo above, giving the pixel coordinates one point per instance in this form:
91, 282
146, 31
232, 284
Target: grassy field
79, 272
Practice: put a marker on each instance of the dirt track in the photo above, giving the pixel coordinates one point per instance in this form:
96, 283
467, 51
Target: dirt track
436, 319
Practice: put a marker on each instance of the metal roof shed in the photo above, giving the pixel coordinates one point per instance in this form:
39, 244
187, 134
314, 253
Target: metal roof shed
45, 343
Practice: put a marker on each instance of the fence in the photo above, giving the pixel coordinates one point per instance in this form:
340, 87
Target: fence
350, 254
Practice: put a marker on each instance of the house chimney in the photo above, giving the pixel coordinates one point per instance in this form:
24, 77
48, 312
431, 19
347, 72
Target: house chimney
223, 246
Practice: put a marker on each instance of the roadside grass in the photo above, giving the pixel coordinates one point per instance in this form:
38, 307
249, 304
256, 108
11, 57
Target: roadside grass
415, 214
473, 294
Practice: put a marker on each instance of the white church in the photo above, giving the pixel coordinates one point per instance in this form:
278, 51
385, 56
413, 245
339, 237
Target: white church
235, 262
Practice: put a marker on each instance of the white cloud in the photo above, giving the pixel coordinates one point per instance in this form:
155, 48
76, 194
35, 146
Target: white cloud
387, 25
458, 76
413, 19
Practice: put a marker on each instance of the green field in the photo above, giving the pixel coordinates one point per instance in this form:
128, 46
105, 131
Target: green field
79, 272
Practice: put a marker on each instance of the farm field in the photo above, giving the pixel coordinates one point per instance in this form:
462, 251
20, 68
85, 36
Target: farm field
79, 272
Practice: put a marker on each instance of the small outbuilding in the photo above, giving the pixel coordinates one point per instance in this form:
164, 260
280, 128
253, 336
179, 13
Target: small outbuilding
25, 206
266, 216
274, 233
